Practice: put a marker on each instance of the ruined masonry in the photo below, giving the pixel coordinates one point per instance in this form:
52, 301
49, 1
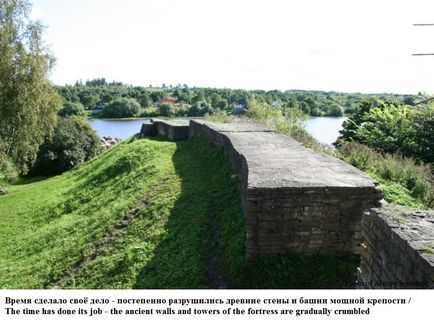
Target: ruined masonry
298, 200
398, 248
293, 199
169, 129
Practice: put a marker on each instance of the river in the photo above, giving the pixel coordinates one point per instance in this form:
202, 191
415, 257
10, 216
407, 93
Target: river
323, 129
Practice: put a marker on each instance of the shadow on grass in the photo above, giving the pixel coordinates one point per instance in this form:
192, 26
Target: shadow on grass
30, 180
179, 260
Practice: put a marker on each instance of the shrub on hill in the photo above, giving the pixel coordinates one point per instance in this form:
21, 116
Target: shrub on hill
8, 171
73, 142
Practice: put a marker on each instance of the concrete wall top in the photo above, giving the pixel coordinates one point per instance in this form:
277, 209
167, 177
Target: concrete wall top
277, 161
398, 248
169, 123
415, 227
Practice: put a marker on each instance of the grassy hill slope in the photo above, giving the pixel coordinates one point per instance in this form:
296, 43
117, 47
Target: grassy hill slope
145, 214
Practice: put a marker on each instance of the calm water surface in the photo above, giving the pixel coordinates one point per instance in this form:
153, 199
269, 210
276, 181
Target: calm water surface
324, 129
121, 129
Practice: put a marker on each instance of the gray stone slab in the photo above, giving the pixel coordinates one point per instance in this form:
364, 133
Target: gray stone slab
237, 126
291, 196
277, 161
169, 129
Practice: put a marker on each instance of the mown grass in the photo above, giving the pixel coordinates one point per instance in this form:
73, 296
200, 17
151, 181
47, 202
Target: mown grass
140, 216
48, 227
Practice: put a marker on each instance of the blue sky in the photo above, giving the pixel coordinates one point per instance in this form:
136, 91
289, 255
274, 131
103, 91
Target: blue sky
341, 45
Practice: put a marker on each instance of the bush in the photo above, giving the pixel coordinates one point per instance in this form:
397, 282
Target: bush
392, 170
424, 133
122, 107
392, 128
73, 142
388, 128
167, 110
182, 110
289, 125
70, 109
8, 172
150, 112
200, 108
358, 155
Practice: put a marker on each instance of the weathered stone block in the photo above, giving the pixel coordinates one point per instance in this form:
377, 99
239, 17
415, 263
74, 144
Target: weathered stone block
393, 248
286, 189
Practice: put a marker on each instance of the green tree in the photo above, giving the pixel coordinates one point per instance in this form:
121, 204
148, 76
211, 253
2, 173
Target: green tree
388, 128
72, 143
423, 126
167, 109
8, 171
70, 109
144, 100
28, 101
122, 107
333, 109
305, 108
350, 126
89, 99
200, 108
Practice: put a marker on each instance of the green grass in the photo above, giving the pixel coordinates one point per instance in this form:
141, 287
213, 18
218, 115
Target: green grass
402, 180
144, 214
219, 117
428, 250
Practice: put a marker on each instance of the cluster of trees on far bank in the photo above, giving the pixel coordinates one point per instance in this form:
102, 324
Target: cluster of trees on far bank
100, 98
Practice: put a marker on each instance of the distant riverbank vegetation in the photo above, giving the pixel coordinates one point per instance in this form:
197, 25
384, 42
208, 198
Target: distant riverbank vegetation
100, 98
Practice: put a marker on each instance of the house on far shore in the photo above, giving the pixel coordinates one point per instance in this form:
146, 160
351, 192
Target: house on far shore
167, 100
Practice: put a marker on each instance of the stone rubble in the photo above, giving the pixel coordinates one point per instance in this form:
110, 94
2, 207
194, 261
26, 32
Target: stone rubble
108, 142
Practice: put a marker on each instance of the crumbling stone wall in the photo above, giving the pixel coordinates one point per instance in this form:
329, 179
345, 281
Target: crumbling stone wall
307, 220
148, 130
166, 128
293, 199
398, 248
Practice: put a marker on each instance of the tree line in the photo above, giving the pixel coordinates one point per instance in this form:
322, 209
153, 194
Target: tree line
100, 98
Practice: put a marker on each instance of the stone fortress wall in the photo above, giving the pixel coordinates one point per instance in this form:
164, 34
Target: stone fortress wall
298, 200
293, 199
398, 248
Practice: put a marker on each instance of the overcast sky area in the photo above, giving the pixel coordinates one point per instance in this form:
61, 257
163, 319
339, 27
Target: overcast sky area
352, 46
